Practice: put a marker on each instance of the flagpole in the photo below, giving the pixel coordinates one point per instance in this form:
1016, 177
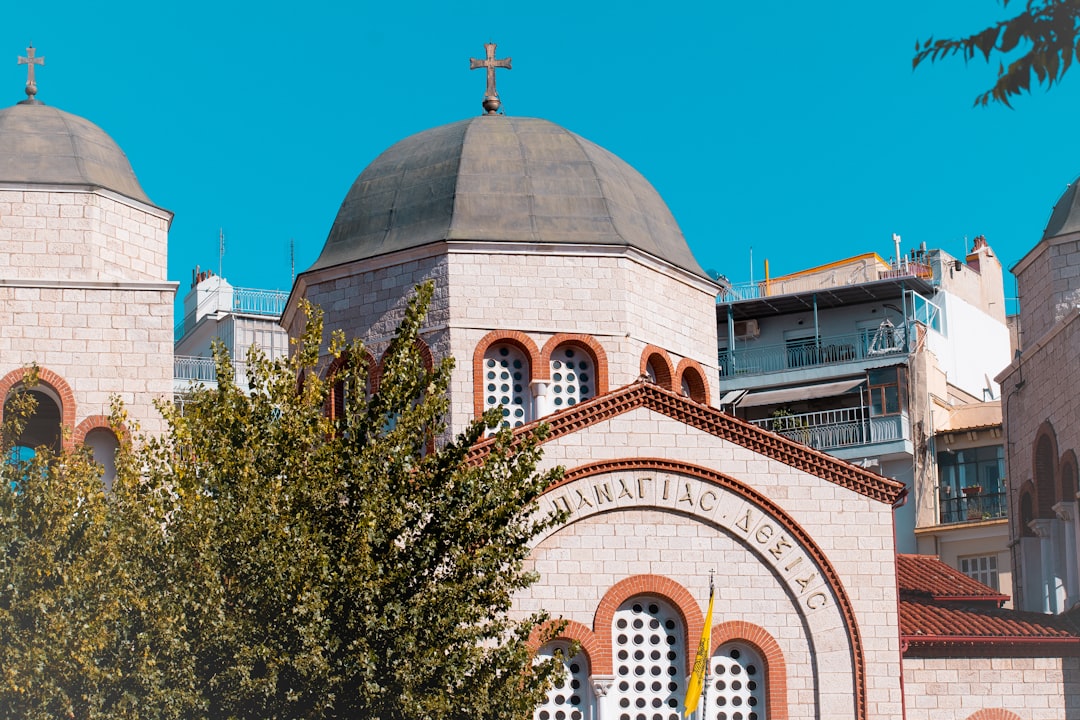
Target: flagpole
708, 662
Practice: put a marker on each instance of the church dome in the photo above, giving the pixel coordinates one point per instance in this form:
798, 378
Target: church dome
41, 145
1065, 218
502, 179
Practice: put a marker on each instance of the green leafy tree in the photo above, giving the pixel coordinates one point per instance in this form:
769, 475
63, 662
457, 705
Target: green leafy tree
263, 560
76, 637
352, 567
1045, 34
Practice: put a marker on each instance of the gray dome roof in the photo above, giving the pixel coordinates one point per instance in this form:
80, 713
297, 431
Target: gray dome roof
502, 179
43, 145
1065, 217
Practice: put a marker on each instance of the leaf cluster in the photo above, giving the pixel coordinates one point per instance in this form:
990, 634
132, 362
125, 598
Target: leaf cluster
263, 559
1047, 33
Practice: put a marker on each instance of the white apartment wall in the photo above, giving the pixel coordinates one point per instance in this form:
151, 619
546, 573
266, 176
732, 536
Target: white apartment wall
975, 346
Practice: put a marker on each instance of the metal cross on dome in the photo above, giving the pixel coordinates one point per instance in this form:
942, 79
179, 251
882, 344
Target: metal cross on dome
30, 61
491, 97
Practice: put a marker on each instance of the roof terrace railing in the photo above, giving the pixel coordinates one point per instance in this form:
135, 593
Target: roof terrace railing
203, 370
835, 429
829, 350
810, 283
972, 508
254, 301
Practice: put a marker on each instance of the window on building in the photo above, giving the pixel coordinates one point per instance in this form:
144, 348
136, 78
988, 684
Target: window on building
982, 568
506, 384
887, 391
650, 661
573, 376
972, 484
570, 697
738, 684
42, 427
103, 445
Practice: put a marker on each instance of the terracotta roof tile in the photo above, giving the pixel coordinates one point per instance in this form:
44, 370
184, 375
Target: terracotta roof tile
712, 421
926, 620
927, 576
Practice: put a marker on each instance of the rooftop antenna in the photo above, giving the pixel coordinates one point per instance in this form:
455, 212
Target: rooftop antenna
292, 260
751, 266
221, 250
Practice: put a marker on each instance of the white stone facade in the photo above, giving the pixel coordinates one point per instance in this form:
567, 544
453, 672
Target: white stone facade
84, 295
956, 688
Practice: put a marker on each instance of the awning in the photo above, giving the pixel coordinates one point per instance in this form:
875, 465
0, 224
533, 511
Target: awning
802, 392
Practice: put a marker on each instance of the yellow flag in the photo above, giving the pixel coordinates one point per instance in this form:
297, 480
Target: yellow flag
697, 677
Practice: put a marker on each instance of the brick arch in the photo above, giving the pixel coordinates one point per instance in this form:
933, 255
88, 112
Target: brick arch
699, 389
1067, 471
95, 422
1044, 454
1025, 508
58, 385
573, 631
994, 714
844, 606
776, 696
661, 361
521, 341
665, 588
587, 343
335, 398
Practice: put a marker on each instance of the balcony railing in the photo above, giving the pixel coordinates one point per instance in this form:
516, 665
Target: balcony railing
187, 368
259, 302
831, 350
969, 508
812, 282
834, 429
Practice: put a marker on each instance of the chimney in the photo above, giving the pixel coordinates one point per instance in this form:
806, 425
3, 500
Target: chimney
973, 258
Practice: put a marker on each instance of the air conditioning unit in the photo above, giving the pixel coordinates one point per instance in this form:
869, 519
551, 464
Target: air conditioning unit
747, 329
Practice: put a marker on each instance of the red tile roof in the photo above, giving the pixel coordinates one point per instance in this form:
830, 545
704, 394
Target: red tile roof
927, 622
940, 607
926, 576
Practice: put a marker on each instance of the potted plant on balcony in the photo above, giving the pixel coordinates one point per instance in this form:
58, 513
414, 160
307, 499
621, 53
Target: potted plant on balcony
974, 507
786, 423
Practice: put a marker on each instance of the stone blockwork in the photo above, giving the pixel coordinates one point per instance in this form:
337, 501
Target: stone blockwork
624, 303
578, 563
83, 294
1031, 688
1049, 280
91, 235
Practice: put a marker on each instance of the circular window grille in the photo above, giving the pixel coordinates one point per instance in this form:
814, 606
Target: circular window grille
737, 689
650, 663
506, 384
572, 377
569, 697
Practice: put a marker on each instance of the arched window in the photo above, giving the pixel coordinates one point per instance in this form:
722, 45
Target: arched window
650, 660
506, 383
1045, 485
1027, 513
103, 445
692, 385
570, 698
656, 366
1068, 478
573, 376
42, 427
738, 684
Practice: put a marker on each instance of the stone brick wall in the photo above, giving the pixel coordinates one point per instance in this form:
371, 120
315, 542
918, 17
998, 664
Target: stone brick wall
64, 235
581, 561
1034, 688
621, 303
1049, 281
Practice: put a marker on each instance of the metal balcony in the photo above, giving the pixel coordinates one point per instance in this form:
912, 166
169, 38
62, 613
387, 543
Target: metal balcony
834, 429
830, 350
189, 370
972, 508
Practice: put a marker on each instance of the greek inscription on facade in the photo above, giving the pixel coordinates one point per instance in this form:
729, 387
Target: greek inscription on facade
603, 493
743, 523
687, 497
582, 500
711, 496
624, 490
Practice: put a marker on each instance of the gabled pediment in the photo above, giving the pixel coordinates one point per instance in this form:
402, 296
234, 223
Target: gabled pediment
705, 418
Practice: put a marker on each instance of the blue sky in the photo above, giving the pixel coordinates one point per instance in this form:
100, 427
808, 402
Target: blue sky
797, 129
